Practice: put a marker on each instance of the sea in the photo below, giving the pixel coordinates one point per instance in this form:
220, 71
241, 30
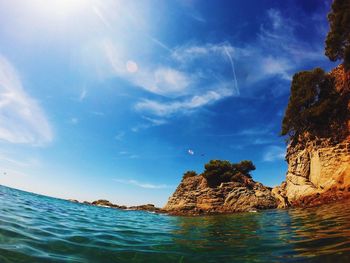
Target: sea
37, 228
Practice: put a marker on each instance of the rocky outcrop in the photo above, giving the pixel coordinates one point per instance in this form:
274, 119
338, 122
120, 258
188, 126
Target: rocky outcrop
106, 203
194, 196
318, 172
319, 168
148, 207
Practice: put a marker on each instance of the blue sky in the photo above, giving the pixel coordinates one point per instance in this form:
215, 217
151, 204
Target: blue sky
103, 99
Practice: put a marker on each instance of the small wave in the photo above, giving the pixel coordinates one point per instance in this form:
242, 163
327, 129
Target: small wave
35, 228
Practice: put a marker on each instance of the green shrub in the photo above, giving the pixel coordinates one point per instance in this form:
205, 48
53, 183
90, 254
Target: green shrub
189, 174
218, 171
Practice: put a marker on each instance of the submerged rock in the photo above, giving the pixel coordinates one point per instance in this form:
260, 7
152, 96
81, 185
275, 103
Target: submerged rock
194, 196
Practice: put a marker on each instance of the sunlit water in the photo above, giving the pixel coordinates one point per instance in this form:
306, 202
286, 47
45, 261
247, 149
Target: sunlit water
36, 228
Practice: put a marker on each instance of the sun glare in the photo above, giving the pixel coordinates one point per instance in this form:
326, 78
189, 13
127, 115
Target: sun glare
62, 7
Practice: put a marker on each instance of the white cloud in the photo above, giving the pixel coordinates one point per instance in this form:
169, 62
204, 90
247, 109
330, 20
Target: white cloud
30, 162
148, 123
275, 16
197, 85
142, 185
274, 153
160, 79
276, 66
279, 38
277, 52
197, 101
21, 118
174, 80
185, 75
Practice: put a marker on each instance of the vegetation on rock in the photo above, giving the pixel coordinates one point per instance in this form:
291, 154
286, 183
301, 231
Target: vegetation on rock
223, 187
217, 171
189, 174
316, 108
317, 123
338, 38
314, 105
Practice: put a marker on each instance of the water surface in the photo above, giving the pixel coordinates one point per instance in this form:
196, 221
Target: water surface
35, 228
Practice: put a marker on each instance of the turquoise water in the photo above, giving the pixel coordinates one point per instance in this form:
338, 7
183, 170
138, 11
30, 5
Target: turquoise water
36, 228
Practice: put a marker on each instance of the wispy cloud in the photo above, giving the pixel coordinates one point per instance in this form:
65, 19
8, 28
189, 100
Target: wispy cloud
279, 50
148, 123
142, 185
31, 162
157, 79
178, 77
21, 118
191, 67
169, 108
274, 153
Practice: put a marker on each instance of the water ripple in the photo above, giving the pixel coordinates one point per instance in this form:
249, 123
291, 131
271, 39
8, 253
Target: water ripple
36, 228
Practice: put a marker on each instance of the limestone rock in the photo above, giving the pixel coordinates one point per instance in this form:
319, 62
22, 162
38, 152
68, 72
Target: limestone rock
194, 196
319, 168
315, 172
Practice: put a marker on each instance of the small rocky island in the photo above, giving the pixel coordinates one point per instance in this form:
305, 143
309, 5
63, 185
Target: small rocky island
105, 203
223, 187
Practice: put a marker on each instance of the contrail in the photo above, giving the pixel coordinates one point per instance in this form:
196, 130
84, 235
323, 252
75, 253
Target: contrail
161, 44
233, 70
101, 17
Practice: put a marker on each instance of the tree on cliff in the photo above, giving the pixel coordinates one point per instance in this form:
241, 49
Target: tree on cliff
307, 103
217, 171
338, 38
314, 105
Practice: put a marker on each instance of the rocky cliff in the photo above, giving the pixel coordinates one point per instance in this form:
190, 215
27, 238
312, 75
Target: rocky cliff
195, 196
319, 168
318, 172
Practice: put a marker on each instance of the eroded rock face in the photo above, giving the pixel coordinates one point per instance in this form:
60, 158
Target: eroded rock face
319, 168
194, 196
317, 171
